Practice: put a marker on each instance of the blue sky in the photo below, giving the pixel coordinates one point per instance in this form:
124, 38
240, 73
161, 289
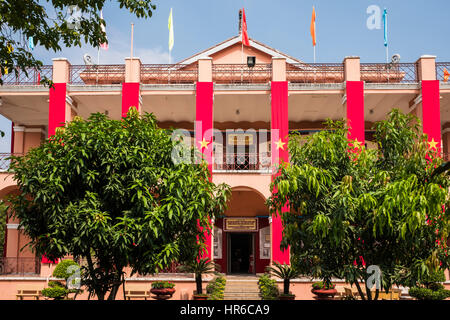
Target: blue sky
416, 27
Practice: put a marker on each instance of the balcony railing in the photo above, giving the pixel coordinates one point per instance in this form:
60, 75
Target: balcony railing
389, 72
241, 73
32, 76
5, 161
443, 71
242, 161
20, 266
315, 72
169, 73
97, 74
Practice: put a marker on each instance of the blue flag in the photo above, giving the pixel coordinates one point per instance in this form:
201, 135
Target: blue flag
385, 28
31, 43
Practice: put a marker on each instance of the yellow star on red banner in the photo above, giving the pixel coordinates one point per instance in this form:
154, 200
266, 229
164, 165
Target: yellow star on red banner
203, 144
280, 144
356, 143
432, 144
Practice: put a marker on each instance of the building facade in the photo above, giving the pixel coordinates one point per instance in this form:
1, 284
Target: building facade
237, 104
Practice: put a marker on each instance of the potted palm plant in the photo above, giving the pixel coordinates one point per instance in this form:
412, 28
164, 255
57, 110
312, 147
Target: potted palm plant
200, 267
287, 273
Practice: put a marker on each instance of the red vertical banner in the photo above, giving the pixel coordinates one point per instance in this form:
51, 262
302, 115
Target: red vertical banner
431, 113
355, 111
279, 141
56, 107
130, 96
204, 137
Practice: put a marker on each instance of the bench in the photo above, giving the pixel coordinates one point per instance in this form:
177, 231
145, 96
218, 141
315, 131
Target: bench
30, 290
136, 292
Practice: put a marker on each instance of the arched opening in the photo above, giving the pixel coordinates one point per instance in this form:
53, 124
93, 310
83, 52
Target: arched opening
242, 236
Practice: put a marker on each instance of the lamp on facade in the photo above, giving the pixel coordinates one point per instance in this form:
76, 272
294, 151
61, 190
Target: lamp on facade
251, 62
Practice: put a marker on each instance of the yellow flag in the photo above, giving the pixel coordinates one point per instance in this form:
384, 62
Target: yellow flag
171, 39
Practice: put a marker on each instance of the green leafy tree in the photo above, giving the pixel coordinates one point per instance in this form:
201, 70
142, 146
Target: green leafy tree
52, 24
351, 208
108, 192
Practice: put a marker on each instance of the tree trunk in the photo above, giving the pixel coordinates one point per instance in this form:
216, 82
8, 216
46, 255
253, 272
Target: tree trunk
286, 286
360, 290
98, 292
118, 280
198, 281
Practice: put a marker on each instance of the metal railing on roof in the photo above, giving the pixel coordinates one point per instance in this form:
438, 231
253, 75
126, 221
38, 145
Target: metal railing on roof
20, 266
389, 72
169, 73
443, 71
31, 76
315, 72
241, 73
97, 74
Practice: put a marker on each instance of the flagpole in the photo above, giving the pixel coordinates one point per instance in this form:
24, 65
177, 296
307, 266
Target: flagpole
98, 61
314, 54
131, 48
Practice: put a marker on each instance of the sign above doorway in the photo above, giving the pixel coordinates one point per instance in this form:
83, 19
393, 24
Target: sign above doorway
241, 224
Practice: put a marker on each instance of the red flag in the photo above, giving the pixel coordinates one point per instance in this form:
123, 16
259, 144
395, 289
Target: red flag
244, 30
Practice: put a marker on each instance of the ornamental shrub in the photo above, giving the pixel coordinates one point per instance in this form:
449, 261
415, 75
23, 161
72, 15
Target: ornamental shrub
56, 290
268, 287
62, 270
428, 294
163, 285
216, 288
323, 285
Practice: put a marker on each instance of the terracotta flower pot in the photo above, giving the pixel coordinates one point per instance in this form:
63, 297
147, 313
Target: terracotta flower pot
287, 297
163, 293
324, 294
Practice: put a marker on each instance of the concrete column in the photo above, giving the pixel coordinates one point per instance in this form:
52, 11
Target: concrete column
205, 70
131, 95
278, 69
354, 99
429, 110
59, 103
19, 138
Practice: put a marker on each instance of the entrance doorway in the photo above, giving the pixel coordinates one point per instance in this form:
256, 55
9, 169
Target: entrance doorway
241, 253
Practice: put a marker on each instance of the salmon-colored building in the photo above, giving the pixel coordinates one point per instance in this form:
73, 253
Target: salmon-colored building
238, 114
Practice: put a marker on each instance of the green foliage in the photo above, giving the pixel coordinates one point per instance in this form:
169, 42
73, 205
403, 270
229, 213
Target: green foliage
107, 191
285, 272
63, 271
323, 285
351, 207
163, 285
268, 287
216, 288
50, 25
200, 267
428, 294
56, 290
3, 213
432, 288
